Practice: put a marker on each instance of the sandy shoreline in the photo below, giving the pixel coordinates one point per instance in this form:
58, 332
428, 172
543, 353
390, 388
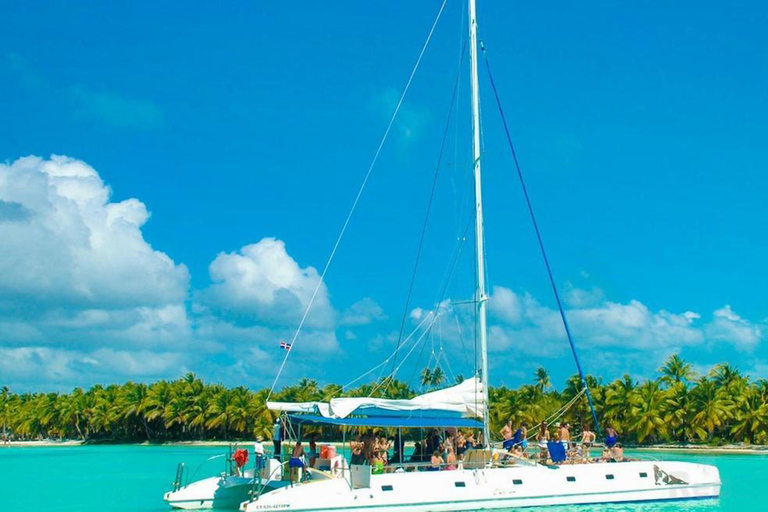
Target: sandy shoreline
727, 449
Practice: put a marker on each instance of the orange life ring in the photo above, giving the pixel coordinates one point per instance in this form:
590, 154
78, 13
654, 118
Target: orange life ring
240, 457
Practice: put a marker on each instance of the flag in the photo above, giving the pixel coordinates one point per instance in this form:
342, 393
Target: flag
284, 345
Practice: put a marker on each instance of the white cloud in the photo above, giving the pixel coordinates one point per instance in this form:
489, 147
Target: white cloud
522, 322
363, 312
73, 246
262, 283
728, 327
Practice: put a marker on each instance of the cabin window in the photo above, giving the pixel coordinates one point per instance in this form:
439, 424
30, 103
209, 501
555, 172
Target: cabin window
571, 478
386, 487
517, 482
609, 477
460, 484
643, 475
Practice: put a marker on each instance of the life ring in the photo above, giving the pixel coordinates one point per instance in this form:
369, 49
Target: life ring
240, 457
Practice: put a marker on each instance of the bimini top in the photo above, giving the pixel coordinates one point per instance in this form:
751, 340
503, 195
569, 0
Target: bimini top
462, 401
386, 421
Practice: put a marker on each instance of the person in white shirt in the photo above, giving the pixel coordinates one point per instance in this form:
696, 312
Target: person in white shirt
258, 451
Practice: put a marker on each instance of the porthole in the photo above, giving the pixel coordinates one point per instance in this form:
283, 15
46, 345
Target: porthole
571, 478
609, 477
517, 482
386, 487
643, 475
459, 484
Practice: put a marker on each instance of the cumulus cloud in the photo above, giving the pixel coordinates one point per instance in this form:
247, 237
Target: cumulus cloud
727, 326
262, 282
363, 312
65, 242
522, 322
30, 367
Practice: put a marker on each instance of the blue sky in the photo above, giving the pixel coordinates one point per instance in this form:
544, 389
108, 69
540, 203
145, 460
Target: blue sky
212, 155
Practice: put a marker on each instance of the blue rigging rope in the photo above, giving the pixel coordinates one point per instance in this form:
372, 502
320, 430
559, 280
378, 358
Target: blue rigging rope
541, 242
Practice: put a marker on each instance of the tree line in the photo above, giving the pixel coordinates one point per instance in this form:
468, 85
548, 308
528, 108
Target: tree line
678, 406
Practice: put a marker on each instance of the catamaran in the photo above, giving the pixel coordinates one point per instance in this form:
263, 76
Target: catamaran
482, 480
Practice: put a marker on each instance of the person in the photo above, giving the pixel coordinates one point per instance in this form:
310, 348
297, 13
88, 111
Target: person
433, 441
611, 437
356, 445
418, 450
470, 441
587, 437
523, 436
258, 452
461, 445
607, 455
506, 435
312, 449
369, 440
543, 438
617, 452
296, 461
377, 463
436, 461
565, 436
450, 458
277, 437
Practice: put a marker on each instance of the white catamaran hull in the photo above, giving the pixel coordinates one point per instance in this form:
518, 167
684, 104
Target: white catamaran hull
496, 488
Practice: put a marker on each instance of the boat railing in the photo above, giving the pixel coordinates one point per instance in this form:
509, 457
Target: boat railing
178, 482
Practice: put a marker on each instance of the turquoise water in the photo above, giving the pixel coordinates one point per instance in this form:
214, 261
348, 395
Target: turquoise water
134, 478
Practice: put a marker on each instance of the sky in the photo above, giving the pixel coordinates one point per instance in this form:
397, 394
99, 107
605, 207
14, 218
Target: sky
173, 178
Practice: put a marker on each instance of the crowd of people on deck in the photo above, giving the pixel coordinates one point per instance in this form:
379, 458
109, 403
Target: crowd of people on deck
444, 449
550, 442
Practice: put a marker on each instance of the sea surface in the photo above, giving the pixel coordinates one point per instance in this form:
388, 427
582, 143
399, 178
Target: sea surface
134, 478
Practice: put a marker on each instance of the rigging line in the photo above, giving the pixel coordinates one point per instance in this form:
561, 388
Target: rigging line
555, 415
429, 207
385, 361
357, 198
444, 288
540, 240
416, 344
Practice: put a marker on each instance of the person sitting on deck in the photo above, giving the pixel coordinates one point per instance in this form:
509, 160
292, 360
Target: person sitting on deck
377, 463
436, 461
617, 453
607, 455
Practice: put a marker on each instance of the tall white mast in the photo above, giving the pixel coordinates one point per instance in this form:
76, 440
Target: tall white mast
481, 296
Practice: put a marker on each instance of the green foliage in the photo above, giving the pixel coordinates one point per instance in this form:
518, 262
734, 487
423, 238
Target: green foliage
678, 406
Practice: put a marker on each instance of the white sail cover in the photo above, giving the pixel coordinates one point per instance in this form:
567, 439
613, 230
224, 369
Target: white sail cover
464, 400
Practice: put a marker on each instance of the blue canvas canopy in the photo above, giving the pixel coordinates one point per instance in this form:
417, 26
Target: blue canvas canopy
387, 421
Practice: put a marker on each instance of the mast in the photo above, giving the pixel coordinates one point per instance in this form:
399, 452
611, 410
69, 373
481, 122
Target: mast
481, 296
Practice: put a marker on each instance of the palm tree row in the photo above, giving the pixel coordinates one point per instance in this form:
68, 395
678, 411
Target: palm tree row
679, 406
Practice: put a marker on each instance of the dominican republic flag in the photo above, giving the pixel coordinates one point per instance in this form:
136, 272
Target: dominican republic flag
284, 345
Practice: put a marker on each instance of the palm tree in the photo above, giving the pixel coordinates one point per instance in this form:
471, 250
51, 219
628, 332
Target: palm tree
675, 369
426, 377
712, 406
438, 376
646, 412
543, 381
